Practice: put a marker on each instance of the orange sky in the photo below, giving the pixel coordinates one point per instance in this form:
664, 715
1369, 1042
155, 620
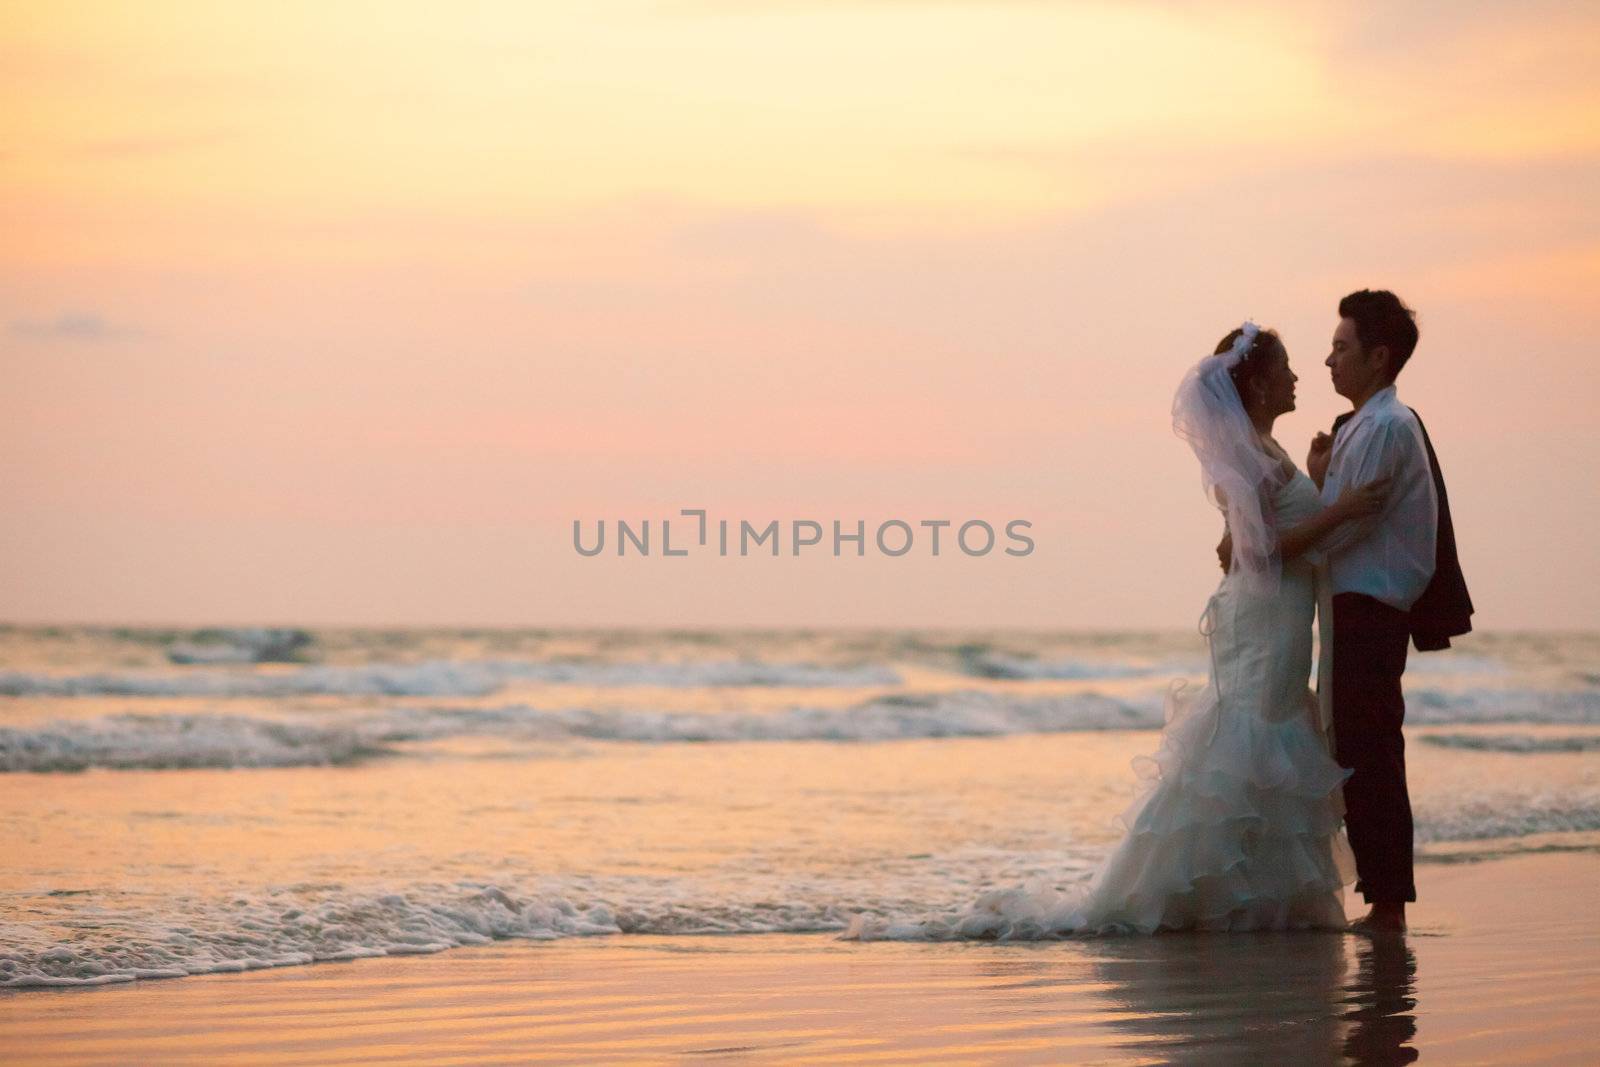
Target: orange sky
341, 313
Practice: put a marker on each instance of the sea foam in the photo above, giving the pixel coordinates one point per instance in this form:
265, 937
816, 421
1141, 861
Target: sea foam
127, 741
162, 936
1515, 742
214, 739
435, 678
132, 741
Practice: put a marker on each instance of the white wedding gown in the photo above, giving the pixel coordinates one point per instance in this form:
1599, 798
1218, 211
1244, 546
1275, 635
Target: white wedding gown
1236, 825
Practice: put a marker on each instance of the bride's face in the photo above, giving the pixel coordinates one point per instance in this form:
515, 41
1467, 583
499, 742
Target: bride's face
1277, 384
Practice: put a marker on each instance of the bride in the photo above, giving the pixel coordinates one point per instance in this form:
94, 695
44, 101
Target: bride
1236, 824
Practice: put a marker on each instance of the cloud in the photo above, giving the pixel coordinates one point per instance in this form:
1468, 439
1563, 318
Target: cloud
71, 326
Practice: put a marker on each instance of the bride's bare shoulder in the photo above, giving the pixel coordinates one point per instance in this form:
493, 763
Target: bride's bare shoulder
1286, 466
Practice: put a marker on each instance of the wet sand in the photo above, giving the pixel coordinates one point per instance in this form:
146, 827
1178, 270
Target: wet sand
1502, 965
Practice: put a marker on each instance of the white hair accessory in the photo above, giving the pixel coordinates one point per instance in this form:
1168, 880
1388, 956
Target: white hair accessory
1241, 344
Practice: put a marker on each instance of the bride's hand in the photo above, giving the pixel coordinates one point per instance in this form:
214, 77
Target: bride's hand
1359, 501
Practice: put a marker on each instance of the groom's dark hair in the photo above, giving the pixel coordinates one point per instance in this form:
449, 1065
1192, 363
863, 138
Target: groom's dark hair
1381, 318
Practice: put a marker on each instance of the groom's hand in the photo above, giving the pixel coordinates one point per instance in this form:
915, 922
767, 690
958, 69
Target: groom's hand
1225, 550
1317, 458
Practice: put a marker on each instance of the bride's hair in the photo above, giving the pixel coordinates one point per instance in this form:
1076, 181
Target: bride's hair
1254, 361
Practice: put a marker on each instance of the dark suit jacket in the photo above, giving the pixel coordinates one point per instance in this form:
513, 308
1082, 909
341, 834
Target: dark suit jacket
1444, 610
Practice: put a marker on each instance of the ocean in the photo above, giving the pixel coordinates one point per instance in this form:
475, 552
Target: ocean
171, 805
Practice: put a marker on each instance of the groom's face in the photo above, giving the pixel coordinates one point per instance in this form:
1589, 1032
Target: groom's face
1354, 370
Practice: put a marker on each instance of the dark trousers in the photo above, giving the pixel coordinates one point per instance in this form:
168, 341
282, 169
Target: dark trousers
1369, 655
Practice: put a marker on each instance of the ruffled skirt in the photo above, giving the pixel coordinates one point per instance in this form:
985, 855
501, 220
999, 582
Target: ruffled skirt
1236, 826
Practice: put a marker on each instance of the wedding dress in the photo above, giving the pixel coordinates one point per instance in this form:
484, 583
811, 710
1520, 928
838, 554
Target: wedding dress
1236, 823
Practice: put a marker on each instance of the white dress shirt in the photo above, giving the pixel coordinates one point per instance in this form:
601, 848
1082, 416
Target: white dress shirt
1388, 556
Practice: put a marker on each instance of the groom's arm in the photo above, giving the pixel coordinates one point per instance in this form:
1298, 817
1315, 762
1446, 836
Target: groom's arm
1392, 450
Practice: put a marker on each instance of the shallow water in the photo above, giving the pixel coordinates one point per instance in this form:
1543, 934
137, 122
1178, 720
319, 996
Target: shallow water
1474, 983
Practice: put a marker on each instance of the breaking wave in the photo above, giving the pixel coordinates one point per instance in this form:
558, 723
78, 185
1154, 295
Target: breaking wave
436, 678
204, 739
1429, 707
129, 741
1515, 742
1002, 667
161, 742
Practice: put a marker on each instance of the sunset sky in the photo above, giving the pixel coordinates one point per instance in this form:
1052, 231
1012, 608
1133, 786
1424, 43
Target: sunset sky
336, 312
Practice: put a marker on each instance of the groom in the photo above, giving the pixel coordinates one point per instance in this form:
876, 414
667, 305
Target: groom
1395, 579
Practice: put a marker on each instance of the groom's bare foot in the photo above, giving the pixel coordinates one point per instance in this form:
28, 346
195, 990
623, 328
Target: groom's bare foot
1382, 919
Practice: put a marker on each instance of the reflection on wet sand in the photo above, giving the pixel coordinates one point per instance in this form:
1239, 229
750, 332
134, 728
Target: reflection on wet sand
1382, 999
1267, 997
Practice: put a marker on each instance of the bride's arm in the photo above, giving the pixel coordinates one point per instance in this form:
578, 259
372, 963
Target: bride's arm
1358, 501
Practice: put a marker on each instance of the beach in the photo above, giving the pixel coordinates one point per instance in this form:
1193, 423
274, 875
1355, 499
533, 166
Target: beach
1501, 966
447, 846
